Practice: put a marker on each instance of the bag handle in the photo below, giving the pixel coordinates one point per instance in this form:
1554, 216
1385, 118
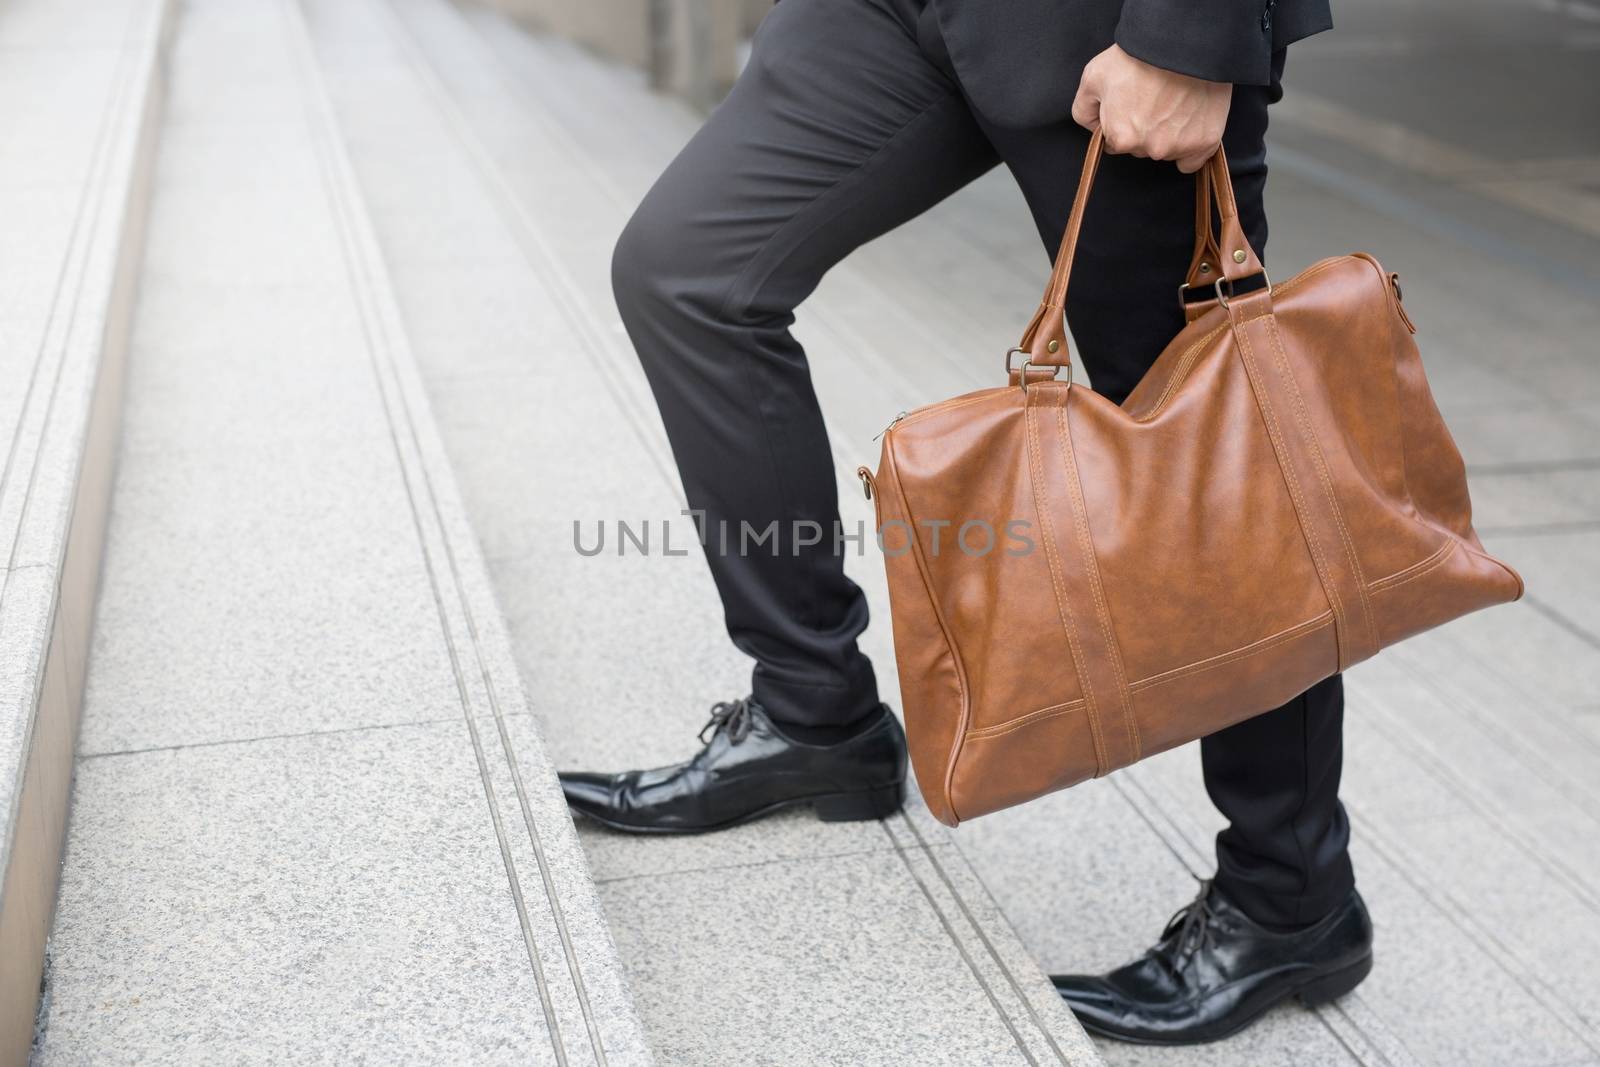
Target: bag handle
1045, 339
1204, 264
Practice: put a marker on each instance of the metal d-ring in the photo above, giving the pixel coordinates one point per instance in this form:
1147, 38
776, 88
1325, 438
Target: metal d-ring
1223, 301
1022, 372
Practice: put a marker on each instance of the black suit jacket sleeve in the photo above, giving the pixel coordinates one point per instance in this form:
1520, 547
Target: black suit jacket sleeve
1019, 61
1218, 40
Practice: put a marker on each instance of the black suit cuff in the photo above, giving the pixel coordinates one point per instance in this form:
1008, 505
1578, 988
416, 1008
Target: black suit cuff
1219, 42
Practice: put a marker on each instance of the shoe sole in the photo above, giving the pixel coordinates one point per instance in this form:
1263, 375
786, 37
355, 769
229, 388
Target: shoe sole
1313, 992
861, 806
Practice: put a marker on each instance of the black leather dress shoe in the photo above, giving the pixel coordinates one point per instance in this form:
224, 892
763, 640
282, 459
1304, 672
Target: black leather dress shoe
749, 768
1215, 971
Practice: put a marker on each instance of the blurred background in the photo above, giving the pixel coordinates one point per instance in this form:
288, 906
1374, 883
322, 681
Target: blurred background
309, 364
693, 49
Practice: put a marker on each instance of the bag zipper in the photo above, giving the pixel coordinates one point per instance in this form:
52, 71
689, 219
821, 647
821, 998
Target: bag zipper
892, 423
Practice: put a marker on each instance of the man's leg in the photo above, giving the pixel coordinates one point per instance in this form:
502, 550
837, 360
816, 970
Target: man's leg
840, 128
1284, 857
1282, 918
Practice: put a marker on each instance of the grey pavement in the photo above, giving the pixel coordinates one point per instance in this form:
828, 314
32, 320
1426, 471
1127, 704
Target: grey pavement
344, 635
311, 819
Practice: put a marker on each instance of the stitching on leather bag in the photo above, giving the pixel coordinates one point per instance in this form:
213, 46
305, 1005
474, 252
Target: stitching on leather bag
1036, 468
1186, 362
1036, 464
1299, 630
1291, 480
944, 629
1416, 570
1221, 659
1092, 568
947, 405
1321, 464
1290, 633
1020, 721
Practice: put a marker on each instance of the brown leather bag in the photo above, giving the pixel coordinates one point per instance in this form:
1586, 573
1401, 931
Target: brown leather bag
1276, 501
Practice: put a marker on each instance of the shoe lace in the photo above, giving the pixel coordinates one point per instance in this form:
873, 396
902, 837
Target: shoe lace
1193, 925
732, 716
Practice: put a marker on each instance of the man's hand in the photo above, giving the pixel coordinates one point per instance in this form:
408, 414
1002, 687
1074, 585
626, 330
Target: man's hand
1151, 112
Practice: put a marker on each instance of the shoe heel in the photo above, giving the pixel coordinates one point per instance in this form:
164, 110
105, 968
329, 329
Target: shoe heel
1331, 987
877, 803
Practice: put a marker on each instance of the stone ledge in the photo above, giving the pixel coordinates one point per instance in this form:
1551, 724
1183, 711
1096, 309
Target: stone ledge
65, 353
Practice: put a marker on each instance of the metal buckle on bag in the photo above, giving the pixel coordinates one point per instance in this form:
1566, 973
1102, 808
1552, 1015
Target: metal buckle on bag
1022, 372
1183, 297
1223, 300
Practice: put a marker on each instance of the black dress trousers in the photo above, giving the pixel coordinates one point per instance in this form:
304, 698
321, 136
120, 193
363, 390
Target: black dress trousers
848, 121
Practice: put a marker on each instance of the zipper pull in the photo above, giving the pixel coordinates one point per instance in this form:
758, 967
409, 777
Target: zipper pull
892, 423
1394, 285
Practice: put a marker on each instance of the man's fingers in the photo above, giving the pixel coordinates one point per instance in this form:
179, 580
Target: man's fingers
1152, 113
1122, 139
1086, 106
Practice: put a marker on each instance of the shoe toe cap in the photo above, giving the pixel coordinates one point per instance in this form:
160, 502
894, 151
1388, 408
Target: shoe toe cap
1097, 1004
1084, 992
587, 790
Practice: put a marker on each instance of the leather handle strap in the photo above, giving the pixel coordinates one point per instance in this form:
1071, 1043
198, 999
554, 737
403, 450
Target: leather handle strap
1080, 596
1045, 339
1307, 474
1205, 265
1207, 259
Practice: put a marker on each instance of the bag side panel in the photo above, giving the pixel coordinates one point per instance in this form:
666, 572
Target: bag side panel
969, 467
1336, 336
1436, 476
932, 689
1400, 478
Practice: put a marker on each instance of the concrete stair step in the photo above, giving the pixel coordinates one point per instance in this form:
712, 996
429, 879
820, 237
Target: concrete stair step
786, 941
312, 816
80, 88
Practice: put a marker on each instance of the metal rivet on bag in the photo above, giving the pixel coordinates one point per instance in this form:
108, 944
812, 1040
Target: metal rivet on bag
1205, 268
1238, 255
1053, 346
